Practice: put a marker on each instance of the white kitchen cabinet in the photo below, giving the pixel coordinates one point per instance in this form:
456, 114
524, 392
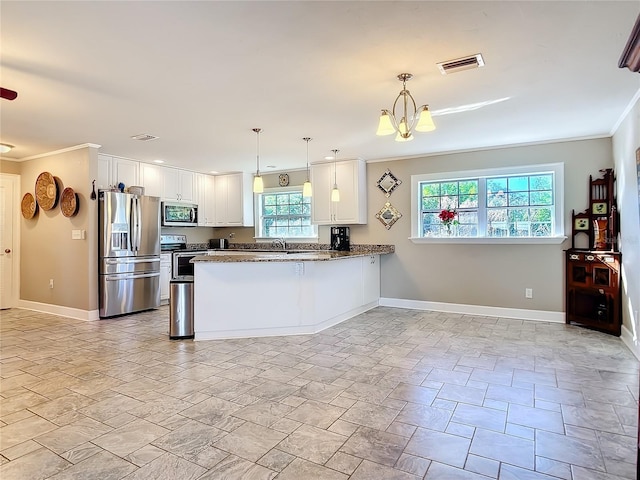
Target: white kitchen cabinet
165, 276
151, 179
233, 200
178, 185
206, 200
350, 176
370, 279
103, 182
125, 171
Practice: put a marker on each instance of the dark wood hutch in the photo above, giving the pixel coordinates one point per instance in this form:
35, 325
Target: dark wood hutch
593, 286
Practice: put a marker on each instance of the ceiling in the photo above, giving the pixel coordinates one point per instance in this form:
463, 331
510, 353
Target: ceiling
200, 75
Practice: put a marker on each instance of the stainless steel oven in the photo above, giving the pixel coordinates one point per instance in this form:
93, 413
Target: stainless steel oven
181, 266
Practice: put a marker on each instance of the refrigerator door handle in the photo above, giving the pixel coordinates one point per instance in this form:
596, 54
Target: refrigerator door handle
132, 223
121, 260
111, 278
139, 219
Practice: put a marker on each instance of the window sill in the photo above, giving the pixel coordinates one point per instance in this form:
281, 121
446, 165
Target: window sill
492, 240
287, 239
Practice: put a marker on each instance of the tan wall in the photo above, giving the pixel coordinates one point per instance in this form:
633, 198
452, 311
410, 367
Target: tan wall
625, 143
491, 275
47, 250
487, 275
7, 166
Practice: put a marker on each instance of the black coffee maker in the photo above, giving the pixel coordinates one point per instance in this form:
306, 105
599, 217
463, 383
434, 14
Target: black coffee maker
340, 238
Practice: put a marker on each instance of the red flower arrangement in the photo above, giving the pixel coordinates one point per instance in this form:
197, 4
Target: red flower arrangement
448, 217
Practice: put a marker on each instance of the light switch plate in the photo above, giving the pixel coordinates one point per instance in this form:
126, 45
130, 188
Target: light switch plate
77, 234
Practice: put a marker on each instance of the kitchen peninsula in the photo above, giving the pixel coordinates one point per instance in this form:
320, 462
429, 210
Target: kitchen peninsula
263, 293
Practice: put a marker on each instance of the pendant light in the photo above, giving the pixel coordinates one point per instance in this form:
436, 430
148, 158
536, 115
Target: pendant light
307, 191
335, 193
258, 185
413, 117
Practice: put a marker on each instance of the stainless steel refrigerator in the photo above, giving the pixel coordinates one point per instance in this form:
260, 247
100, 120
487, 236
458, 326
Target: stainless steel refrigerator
128, 253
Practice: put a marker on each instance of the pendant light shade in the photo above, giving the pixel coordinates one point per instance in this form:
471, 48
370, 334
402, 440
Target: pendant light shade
335, 193
307, 191
258, 185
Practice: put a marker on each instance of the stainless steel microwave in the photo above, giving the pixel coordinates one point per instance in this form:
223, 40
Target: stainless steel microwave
179, 214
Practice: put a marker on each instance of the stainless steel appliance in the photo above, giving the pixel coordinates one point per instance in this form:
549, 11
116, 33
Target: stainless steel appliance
181, 309
181, 267
219, 243
128, 253
340, 238
179, 214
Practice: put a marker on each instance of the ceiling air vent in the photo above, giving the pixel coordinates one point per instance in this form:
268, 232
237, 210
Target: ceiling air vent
459, 64
144, 137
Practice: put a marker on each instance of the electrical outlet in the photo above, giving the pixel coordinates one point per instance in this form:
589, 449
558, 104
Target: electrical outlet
51, 283
528, 293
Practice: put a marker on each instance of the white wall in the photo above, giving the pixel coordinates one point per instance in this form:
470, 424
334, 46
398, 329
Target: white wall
626, 141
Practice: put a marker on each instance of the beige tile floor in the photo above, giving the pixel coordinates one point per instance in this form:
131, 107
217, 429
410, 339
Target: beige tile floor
391, 394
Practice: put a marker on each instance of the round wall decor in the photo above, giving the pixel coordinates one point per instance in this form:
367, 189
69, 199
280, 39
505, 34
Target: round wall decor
69, 202
46, 191
28, 206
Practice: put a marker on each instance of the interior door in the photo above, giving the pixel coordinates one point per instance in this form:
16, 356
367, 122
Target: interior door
8, 186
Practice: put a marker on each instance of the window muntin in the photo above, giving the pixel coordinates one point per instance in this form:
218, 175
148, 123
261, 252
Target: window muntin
284, 213
459, 195
516, 202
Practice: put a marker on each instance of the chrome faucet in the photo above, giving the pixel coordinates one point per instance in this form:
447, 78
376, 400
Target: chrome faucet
280, 242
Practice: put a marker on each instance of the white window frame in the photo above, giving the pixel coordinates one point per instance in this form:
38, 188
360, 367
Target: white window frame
258, 214
558, 192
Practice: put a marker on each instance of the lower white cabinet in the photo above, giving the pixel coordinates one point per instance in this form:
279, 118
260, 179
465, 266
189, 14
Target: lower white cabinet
165, 277
371, 279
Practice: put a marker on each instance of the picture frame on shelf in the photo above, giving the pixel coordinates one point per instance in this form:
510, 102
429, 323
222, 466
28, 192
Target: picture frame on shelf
581, 224
599, 208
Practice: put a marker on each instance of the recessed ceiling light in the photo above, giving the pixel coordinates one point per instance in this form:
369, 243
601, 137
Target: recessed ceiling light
144, 137
271, 166
329, 158
214, 171
5, 147
158, 161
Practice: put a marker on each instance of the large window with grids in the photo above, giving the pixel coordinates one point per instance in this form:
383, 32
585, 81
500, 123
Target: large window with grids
518, 202
284, 213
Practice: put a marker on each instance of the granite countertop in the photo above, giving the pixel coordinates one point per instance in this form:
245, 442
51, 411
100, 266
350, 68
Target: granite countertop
298, 255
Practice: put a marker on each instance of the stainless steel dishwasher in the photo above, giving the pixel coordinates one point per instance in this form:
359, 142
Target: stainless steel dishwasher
181, 308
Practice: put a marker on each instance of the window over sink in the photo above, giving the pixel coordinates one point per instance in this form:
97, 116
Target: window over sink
284, 213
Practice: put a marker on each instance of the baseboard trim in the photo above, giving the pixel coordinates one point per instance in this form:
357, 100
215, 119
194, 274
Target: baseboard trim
630, 341
283, 331
518, 313
75, 313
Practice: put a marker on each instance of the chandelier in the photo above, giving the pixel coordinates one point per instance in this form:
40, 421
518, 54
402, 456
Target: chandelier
412, 116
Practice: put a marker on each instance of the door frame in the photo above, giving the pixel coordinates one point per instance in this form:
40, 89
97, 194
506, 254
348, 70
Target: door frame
15, 216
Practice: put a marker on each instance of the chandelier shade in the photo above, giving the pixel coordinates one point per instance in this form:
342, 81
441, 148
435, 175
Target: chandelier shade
411, 116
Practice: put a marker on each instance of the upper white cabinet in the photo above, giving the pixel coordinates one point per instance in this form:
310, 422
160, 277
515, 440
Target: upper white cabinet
206, 200
151, 178
124, 171
179, 185
233, 200
103, 182
350, 176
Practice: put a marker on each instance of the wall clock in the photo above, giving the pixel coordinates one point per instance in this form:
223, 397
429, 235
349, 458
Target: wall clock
283, 179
